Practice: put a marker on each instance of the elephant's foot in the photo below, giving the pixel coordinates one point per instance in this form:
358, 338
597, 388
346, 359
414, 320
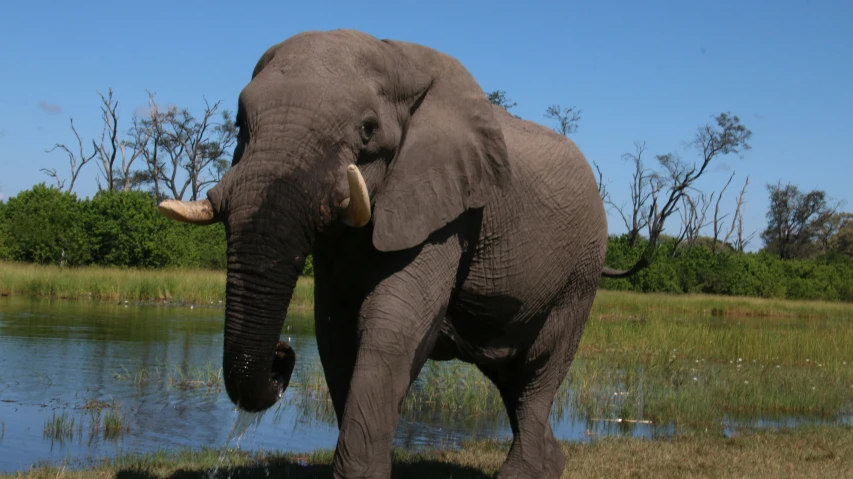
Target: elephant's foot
545, 462
380, 471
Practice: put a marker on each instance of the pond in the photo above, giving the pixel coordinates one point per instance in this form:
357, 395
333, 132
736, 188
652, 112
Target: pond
83, 380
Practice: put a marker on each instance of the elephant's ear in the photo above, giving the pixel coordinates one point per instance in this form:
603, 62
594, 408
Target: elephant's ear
452, 156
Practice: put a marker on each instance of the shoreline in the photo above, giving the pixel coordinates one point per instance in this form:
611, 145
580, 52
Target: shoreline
806, 452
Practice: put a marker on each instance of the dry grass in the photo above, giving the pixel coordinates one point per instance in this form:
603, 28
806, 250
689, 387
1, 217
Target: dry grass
819, 452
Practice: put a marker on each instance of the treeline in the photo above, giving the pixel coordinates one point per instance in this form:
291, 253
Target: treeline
701, 268
114, 228
123, 228
172, 153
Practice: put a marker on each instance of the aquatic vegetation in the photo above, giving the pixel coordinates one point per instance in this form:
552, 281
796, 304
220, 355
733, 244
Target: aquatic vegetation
60, 426
694, 372
179, 375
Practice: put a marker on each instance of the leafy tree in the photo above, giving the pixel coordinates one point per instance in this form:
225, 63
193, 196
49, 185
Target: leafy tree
4, 250
499, 98
567, 118
841, 239
795, 220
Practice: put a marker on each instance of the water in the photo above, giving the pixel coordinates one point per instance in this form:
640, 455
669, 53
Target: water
153, 363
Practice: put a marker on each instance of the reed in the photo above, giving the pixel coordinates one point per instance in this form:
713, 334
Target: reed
168, 285
178, 375
202, 286
664, 364
60, 426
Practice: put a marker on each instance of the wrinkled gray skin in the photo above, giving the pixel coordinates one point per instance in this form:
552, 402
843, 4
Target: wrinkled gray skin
486, 243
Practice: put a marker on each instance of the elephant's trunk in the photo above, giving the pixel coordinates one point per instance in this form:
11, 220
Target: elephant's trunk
256, 364
266, 254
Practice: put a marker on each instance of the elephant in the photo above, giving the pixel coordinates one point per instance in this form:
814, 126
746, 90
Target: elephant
441, 227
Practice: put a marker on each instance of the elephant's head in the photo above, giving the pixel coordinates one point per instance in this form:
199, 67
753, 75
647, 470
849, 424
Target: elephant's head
337, 129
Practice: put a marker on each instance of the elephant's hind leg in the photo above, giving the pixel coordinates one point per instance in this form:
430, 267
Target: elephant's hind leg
528, 386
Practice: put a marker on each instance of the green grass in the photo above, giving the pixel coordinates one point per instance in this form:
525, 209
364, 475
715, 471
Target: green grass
60, 426
201, 286
815, 452
181, 376
722, 358
655, 359
196, 286
104, 419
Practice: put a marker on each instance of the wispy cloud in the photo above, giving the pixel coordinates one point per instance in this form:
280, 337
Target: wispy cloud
759, 116
723, 166
2, 197
142, 112
48, 107
145, 110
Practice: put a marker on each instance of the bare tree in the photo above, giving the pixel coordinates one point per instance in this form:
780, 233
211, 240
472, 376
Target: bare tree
737, 221
567, 119
669, 187
147, 137
116, 177
641, 192
729, 137
51, 172
602, 187
718, 220
75, 161
741, 241
187, 154
694, 212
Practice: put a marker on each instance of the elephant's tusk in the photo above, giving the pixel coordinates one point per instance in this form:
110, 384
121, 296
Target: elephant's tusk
356, 209
194, 212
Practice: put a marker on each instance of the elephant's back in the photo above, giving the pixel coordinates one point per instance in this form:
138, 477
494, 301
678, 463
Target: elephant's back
551, 176
550, 226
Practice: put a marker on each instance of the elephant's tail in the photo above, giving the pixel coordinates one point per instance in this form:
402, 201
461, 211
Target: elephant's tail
608, 272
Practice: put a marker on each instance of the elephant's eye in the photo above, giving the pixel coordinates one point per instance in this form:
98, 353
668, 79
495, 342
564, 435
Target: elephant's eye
368, 128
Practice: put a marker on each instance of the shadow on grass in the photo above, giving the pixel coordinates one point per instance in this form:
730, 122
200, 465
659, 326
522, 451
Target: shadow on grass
284, 468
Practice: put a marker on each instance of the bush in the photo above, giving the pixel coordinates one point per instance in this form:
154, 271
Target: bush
700, 270
115, 228
45, 226
126, 229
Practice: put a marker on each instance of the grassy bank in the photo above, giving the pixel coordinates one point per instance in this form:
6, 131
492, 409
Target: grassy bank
817, 452
196, 286
202, 286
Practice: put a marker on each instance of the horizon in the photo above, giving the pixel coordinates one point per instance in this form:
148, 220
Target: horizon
652, 73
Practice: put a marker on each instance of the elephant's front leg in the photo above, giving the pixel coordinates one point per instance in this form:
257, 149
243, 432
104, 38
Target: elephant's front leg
398, 326
335, 321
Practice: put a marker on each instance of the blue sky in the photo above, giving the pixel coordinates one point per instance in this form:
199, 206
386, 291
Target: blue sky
651, 71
